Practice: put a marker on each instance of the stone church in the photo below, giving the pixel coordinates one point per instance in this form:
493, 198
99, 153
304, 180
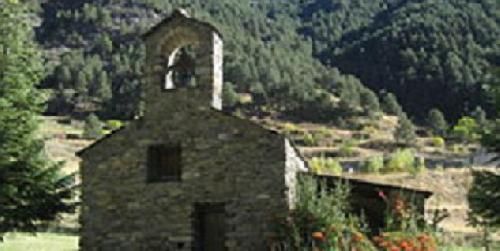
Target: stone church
185, 176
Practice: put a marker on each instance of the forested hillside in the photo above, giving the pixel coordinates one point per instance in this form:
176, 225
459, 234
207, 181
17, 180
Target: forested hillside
286, 54
429, 53
103, 65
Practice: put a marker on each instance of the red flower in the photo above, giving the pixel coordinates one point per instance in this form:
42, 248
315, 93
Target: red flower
394, 248
406, 246
319, 236
381, 194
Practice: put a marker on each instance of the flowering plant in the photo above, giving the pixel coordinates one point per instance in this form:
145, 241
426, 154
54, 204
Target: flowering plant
320, 220
405, 230
400, 241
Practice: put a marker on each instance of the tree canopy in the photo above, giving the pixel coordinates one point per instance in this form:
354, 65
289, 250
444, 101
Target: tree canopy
31, 189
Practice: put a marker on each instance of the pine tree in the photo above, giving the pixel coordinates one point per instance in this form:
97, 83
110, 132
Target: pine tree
93, 127
63, 75
104, 44
490, 138
81, 85
102, 88
483, 196
405, 132
349, 98
437, 122
494, 86
480, 116
32, 189
259, 94
230, 97
484, 203
390, 105
370, 103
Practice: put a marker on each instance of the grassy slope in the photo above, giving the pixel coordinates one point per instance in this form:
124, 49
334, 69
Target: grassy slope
39, 242
58, 147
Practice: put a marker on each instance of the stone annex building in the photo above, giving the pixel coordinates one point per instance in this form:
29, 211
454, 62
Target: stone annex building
185, 176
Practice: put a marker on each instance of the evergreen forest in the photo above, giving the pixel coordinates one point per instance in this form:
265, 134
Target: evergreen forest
307, 59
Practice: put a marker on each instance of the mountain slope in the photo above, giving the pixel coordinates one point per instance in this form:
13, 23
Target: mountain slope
264, 56
429, 53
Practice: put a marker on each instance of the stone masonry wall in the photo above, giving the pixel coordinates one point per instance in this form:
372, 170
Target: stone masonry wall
228, 160
225, 160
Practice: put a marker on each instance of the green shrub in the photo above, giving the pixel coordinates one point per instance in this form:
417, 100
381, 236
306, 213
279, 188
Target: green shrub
466, 130
310, 140
321, 219
113, 125
419, 166
332, 166
230, 96
347, 148
370, 130
316, 164
361, 135
326, 165
400, 161
104, 132
438, 142
289, 128
324, 132
459, 149
374, 164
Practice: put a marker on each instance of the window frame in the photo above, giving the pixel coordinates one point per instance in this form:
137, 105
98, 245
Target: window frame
158, 157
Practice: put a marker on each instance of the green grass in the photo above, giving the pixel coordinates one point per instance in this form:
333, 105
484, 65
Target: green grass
455, 248
61, 242
39, 242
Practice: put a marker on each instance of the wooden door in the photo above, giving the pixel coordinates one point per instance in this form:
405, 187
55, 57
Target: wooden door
210, 224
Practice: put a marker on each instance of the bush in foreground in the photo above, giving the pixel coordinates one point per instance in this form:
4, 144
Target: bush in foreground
405, 229
321, 220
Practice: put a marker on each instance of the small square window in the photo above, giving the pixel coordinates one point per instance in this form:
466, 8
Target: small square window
164, 163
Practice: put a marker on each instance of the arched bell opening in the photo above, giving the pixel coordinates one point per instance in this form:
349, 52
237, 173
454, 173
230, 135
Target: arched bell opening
184, 53
181, 68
